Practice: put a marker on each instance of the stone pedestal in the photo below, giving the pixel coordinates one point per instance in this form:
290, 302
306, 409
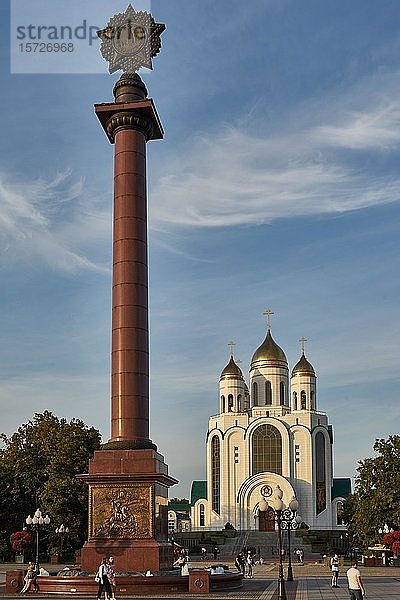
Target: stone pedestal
128, 511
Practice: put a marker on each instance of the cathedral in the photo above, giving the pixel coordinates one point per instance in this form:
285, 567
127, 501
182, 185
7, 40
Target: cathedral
265, 435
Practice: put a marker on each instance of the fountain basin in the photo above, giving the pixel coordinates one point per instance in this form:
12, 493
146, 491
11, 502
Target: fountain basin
168, 583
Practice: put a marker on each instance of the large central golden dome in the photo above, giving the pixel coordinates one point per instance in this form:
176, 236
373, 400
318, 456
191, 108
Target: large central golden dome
269, 353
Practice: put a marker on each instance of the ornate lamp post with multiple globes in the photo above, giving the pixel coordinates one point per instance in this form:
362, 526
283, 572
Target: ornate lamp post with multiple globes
385, 529
62, 531
286, 518
36, 522
277, 505
290, 520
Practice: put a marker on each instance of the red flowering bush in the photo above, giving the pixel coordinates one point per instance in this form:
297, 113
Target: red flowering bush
396, 547
20, 540
393, 540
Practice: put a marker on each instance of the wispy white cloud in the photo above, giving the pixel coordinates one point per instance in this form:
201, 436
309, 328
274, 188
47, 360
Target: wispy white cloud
233, 177
42, 221
378, 129
173, 249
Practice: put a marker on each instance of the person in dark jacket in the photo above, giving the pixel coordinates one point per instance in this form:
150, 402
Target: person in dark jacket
240, 563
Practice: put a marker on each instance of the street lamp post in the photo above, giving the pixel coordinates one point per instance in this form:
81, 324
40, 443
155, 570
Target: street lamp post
62, 531
278, 506
36, 522
344, 543
384, 531
290, 520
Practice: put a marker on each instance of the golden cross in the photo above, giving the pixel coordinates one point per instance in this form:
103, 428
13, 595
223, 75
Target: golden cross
302, 340
268, 312
231, 345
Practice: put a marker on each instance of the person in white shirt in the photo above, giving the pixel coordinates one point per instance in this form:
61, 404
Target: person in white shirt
335, 570
356, 587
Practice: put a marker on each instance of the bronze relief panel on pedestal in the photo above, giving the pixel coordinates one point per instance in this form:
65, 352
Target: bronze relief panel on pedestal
121, 511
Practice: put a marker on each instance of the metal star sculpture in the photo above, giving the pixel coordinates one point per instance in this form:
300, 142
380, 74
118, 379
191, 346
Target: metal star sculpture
130, 41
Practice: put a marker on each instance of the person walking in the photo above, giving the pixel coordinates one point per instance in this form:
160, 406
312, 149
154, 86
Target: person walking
102, 578
249, 561
335, 570
111, 575
356, 586
240, 563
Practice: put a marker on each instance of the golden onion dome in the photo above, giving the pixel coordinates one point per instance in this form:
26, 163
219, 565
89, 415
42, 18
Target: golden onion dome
303, 366
270, 353
231, 371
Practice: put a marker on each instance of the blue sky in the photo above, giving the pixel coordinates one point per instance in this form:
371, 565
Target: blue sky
277, 184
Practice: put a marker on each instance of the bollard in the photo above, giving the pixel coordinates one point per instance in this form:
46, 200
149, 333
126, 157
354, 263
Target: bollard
199, 581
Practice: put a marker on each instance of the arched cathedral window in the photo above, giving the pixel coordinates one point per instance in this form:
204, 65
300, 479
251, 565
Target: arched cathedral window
320, 472
230, 403
202, 519
268, 393
215, 473
239, 401
312, 400
303, 400
282, 393
266, 450
223, 403
294, 400
255, 394
339, 513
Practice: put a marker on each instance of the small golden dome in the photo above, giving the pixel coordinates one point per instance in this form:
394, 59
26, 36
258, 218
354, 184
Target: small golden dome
269, 352
231, 371
303, 366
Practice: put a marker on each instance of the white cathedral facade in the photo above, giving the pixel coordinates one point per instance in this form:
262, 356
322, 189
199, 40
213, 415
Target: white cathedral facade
265, 435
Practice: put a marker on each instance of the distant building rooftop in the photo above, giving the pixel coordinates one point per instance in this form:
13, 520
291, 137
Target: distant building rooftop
341, 487
199, 490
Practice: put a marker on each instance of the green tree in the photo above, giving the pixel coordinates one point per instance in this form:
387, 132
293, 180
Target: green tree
376, 499
38, 468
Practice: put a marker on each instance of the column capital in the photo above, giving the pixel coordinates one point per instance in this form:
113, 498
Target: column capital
129, 120
140, 116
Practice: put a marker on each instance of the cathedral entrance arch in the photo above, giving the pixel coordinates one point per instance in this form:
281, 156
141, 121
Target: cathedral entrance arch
251, 491
266, 520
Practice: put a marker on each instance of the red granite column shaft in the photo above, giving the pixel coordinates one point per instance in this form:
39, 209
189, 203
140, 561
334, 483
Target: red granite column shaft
130, 337
129, 466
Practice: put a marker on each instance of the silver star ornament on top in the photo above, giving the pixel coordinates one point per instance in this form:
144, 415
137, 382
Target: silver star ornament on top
130, 41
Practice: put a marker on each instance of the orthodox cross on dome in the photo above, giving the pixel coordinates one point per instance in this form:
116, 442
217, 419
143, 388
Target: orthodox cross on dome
268, 312
302, 340
130, 40
231, 345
